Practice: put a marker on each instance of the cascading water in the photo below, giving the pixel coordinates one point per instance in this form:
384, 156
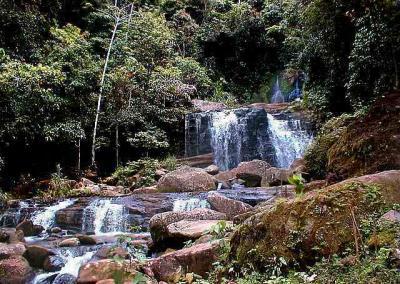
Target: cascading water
46, 218
226, 133
73, 262
289, 139
102, 216
189, 204
277, 96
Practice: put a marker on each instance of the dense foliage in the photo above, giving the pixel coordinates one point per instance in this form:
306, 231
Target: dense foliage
165, 53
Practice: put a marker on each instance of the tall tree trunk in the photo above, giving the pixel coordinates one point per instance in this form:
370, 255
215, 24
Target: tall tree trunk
78, 164
396, 70
101, 90
116, 146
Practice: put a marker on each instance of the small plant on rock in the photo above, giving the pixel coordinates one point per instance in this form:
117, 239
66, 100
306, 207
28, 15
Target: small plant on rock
298, 181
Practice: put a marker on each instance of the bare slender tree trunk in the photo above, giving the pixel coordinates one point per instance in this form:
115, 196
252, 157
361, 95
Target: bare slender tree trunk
396, 70
101, 90
78, 164
116, 145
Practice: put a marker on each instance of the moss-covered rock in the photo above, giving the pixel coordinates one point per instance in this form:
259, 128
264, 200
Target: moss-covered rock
351, 146
319, 224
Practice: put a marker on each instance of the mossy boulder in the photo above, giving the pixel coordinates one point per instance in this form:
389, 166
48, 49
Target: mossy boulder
320, 224
349, 146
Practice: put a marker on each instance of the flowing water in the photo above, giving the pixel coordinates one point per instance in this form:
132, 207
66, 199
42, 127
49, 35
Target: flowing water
277, 96
46, 218
189, 204
289, 139
102, 216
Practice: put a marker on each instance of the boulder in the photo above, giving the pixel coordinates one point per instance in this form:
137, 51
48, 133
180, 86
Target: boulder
93, 272
55, 230
71, 242
111, 252
9, 250
145, 190
226, 205
29, 228
189, 230
36, 255
64, 279
11, 235
298, 166
212, 170
198, 259
319, 217
15, 270
159, 222
70, 217
86, 239
186, 179
53, 263
392, 216
255, 173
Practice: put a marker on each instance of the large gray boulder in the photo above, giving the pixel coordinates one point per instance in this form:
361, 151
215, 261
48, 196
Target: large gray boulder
228, 206
186, 179
159, 222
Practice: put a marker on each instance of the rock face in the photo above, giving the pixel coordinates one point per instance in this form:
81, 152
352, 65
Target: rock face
29, 228
323, 216
15, 270
160, 222
186, 179
360, 146
71, 242
391, 216
105, 269
197, 259
228, 206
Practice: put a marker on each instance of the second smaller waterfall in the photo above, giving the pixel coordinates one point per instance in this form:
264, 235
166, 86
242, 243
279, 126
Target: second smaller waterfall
189, 204
102, 216
46, 218
289, 139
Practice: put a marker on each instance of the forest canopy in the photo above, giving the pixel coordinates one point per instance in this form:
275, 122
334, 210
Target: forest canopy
164, 53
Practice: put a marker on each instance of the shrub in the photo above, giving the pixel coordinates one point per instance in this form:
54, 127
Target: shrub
137, 174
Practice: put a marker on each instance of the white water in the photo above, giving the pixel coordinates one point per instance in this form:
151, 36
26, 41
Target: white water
72, 265
46, 218
226, 136
277, 96
189, 204
101, 217
289, 141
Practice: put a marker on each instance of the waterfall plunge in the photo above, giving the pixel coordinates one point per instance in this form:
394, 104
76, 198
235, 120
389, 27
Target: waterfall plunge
102, 216
289, 140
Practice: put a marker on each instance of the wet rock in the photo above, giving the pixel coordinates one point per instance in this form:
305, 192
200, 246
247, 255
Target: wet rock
87, 182
55, 230
204, 239
93, 272
318, 217
15, 270
29, 228
71, 242
212, 170
391, 216
110, 252
9, 250
36, 255
71, 217
226, 205
64, 279
197, 259
53, 263
160, 222
11, 235
86, 239
186, 179
159, 173
183, 230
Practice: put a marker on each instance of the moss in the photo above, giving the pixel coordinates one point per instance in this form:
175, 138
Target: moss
316, 156
304, 230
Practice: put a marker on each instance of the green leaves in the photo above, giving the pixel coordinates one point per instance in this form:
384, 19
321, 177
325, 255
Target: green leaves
298, 181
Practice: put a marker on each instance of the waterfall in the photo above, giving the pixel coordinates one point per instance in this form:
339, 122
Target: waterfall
289, 140
102, 216
73, 263
189, 204
277, 96
226, 138
46, 218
